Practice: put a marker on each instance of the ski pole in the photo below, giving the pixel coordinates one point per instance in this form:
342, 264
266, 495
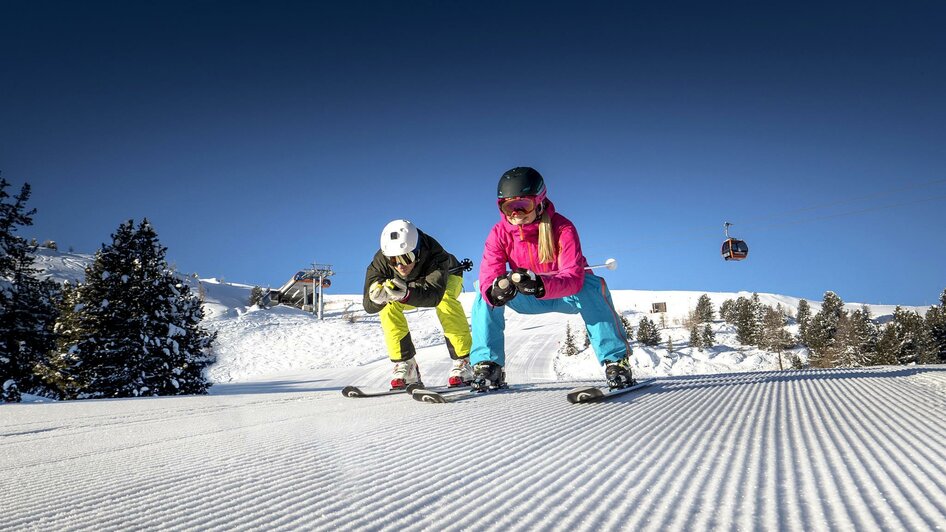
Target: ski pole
611, 264
465, 266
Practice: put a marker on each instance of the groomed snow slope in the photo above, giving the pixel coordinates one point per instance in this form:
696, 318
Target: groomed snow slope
275, 446
809, 450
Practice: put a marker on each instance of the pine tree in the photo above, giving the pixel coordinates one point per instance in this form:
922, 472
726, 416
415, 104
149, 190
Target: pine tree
803, 319
647, 333
586, 343
704, 309
855, 343
888, 347
727, 311
628, 330
912, 340
138, 326
61, 370
758, 318
905, 340
28, 304
696, 336
744, 315
709, 338
774, 337
936, 331
258, 296
669, 345
822, 331
569, 348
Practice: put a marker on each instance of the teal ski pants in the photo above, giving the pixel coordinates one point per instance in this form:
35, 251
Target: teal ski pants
593, 302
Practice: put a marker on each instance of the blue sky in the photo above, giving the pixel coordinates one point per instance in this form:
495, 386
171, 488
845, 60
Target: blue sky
259, 137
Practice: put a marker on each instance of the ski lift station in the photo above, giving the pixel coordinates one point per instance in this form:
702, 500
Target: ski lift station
305, 289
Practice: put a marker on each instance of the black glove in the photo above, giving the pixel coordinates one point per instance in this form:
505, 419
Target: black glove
501, 291
527, 282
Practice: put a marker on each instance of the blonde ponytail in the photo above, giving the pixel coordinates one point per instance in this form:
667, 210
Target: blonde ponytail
547, 249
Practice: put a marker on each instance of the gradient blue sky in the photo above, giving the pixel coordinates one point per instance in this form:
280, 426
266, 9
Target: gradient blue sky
259, 137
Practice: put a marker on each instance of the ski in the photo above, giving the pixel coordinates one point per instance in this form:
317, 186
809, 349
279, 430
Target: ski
590, 394
356, 392
445, 396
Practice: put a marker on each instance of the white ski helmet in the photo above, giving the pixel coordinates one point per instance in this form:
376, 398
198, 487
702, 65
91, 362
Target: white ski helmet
398, 238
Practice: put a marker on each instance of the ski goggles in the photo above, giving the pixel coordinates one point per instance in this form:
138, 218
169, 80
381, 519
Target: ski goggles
404, 260
521, 204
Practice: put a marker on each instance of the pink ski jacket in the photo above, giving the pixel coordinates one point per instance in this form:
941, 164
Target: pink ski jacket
518, 246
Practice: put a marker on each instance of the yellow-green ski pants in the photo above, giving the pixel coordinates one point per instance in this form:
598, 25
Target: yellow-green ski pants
456, 330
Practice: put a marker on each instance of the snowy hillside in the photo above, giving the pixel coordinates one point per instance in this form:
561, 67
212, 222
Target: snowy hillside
347, 345
62, 266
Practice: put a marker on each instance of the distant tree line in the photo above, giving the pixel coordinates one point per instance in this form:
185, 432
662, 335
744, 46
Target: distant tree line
132, 328
836, 337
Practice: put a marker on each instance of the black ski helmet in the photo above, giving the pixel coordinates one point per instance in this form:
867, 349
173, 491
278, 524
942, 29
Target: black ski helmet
521, 181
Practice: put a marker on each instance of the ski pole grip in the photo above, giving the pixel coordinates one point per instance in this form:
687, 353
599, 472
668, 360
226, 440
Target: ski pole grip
503, 283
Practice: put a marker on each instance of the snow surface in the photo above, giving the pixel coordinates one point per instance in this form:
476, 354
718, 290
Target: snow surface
722, 441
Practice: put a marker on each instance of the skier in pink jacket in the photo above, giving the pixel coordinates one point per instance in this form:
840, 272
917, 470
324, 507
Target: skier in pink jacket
546, 273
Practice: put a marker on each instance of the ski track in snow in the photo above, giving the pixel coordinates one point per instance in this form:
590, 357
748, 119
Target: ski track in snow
808, 450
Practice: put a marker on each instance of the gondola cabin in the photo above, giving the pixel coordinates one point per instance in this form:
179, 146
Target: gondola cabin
734, 249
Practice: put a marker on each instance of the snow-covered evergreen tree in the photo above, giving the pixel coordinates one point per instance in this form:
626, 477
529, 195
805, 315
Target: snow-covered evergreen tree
569, 348
138, 324
61, 372
258, 296
647, 333
822, 331
936, 330
704, 309
905, 339
888, 347
758, 315
709, 338
744, 315
914, 342
28, 304
774, 337
628, 329
727, 311
803, 319
855, 343
696, 336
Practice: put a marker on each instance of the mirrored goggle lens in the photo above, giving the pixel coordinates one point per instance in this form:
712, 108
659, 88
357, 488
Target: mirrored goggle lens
513, 205
403, 260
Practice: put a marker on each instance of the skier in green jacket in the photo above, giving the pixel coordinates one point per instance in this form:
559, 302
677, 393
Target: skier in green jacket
413, 270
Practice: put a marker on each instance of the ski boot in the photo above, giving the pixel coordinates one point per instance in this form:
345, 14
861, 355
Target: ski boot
618, 373
406, 373
488, 376
462, 372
